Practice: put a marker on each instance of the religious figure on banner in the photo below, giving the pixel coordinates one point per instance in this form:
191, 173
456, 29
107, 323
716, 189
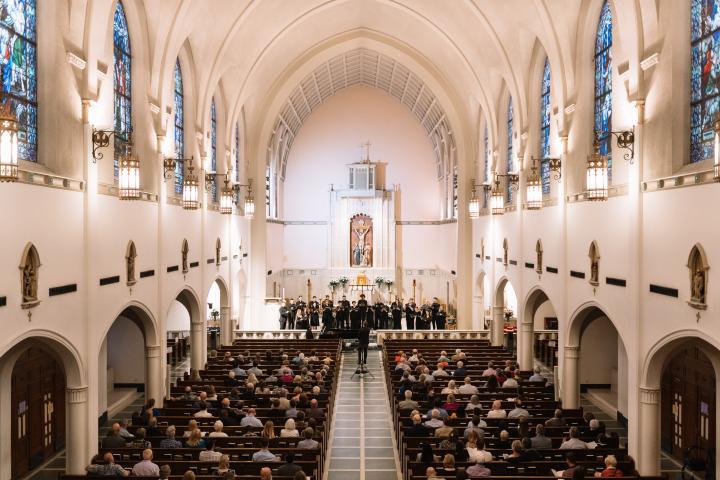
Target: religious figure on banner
361, 241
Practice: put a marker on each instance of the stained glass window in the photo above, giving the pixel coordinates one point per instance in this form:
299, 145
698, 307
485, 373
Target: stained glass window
237, 154
267, 191
509, 147
213, 149
122, 82
603, 84
179, 130
545, 128
704, 75
19, 70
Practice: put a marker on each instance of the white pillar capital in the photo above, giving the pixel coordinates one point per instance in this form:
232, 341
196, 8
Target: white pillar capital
77, 395
152, 351
572, 352
650, 396
196, 327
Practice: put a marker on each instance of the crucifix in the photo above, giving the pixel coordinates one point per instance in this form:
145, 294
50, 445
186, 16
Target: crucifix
366, 146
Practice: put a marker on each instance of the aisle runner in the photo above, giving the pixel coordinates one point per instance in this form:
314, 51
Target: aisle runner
361, 440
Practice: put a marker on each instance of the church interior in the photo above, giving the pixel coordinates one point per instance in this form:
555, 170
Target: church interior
320, 238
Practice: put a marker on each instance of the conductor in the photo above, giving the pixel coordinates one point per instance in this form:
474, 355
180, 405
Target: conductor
363, 342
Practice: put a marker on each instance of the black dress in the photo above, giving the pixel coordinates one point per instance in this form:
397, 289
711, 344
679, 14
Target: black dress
397, 316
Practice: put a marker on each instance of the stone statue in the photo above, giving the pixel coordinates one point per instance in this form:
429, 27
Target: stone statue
366, 262
185, 250
698, 285
594, 271
130, 266
29, 290
217, 252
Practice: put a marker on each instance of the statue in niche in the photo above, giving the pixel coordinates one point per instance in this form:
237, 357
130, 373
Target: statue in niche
29, 265
361, 241
185, 250
539, 261
594, 255
130, 263
217, 252
482, 249
505, 252
698, 266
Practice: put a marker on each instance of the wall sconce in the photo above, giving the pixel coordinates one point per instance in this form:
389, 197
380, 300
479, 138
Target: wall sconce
626, 139
533, 192
170, 164
227, 197
596, 180
474, 203
129, 174
554, 164
191, 191
8, 143
209, 180
249, 200
100, 139
497, 199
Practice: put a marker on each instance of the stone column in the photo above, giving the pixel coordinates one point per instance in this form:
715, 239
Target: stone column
78, 449
196, 345
153, 374
226, 326
525, 347
648, 461
570, 388
497, 325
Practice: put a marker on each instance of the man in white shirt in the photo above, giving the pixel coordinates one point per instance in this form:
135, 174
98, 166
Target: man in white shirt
210, 455
497, 411
468, 388
217, 430
435, 421
574, 442
251, 420
408, 403
146, 468
440, 372
518, 411
478, 453
536, 377
510, 382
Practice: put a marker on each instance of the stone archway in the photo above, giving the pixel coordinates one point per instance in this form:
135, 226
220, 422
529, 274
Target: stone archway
505, 300
537, 303
218, 310
196, 325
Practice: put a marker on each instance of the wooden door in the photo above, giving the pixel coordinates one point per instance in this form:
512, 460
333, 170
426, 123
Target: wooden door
38, 406
688, 404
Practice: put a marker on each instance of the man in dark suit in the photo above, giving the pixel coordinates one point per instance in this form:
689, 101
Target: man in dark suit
410, 313
396, 309
441, 317
355, 317
314, 307
284, 314
344, 313
417, 429
292, 313
363, 342
327, 317
435, 307
362, 305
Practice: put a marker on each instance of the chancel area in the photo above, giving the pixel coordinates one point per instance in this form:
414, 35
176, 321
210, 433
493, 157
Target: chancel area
352, 239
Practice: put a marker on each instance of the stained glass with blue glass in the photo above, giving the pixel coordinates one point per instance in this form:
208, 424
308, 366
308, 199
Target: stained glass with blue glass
122, 63
509, 147
19, 70
603, 84
179, 130
704, 77
213, 149
545, 128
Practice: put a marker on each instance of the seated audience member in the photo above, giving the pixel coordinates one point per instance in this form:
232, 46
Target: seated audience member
265, 473
289, 430
250, 420
123, 429
450, 441
165, 472
467, 388
448, 467
307, 442
223, 468
451, 405
139, 440
195, 440
169, 441
475, 424
516, 454
289, 468
478, 470
203, 412
314, 411
209, 454
518, 411
461, 453
496, 411
192, 426
189, 475
264, 455
218, 430
431, 474
426, 456
571, 469
511, 382
107, 468
611, 470
573, 442
557, 420
417, 429
440, 371
113, 438
489, 371
292, 411
540, 441
460, 371
477, 453
146, 467
268, 430
536, 377
435, 420
451, 388
152, 429
504, 440
529, 453
408, 403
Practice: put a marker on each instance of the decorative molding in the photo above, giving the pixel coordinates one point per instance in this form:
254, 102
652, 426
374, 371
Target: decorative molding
650, 396
613, 191
689, 179
112, 190
75, 61
650, 61
572, 352
46, 179
152, 351
77, 395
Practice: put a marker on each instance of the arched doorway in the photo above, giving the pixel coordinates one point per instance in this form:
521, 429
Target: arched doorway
219, 318
46, 393
482, 305
595, 361
538, 316
679, 402
505, 308
184, 316
129, 361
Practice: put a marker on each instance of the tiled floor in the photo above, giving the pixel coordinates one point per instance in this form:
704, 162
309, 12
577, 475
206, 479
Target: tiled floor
361, 439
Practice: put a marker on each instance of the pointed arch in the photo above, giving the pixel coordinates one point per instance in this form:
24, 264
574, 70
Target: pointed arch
130, 256
594, 255
698, 266
29, 268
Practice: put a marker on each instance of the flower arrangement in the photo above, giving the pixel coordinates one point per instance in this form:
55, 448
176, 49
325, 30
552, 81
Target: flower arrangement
343, 281
379, 282
333, 285
389, 283
508, 314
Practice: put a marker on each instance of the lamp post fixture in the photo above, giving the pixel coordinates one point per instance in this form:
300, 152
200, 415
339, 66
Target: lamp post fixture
8, 143
191, 190
227, 197
533, 194
129, 174
596, 179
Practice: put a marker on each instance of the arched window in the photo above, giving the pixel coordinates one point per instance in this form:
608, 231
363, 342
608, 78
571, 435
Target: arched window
179, 130
704, 100
19, 70
545, 128
213, 149
237, 154
122, 82
509, 147
603, 84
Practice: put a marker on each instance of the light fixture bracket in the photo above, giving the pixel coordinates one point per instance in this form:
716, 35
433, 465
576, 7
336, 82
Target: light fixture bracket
626, 139
100, 139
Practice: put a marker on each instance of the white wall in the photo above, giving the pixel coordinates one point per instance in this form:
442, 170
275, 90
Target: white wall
544, 310
178, 318
599, 352
126, 352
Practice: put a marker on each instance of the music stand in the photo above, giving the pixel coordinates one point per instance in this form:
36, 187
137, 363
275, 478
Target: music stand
361, 371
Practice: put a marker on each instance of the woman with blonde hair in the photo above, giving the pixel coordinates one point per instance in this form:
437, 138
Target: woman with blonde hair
252, 378
268, 430
192, 426
223, 466
451, 388
195, 440
289, 430
218, 430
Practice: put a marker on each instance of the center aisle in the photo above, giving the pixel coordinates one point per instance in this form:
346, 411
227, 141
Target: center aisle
361, 439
